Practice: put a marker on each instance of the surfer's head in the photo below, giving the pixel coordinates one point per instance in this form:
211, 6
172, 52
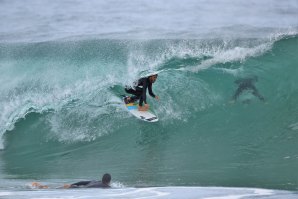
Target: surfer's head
106, 179
152, 78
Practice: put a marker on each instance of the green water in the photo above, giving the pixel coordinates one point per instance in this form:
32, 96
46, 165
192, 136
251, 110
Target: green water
62, 117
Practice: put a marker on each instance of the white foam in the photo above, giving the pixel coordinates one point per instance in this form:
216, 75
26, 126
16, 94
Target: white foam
44, 96
6, 193
263, 192
239, 195
294, 126
231, 55
151, 192
233, 72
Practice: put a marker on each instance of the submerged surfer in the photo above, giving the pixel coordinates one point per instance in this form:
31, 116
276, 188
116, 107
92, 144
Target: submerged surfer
247, 84
104, 183
139, 92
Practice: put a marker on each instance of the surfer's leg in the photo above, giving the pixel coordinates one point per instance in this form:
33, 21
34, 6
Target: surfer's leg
130, 91
132, 98
136, 94
256, 93
141, 101
238, 92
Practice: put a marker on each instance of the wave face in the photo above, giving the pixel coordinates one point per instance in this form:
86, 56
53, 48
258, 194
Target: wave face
61, 114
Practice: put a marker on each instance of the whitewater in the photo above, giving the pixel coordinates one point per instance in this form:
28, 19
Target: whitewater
63, 69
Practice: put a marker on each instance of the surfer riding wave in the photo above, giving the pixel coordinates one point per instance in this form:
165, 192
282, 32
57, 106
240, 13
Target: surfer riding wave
139, 92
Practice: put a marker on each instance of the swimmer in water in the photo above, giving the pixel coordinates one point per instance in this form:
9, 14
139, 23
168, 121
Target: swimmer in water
104, 183
247, 84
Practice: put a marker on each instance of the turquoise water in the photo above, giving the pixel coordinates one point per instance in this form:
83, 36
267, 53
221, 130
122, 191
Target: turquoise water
61, 110
62, 119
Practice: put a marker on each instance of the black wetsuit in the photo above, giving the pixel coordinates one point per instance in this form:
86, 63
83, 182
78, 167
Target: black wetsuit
89, 184
140, 89
247, 84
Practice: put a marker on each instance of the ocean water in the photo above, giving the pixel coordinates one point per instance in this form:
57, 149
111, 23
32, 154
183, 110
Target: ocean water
64, 65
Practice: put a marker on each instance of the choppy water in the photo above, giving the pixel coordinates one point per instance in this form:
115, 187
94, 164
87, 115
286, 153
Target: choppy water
64, 64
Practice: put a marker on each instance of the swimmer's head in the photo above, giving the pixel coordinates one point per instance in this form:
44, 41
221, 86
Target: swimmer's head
106, 178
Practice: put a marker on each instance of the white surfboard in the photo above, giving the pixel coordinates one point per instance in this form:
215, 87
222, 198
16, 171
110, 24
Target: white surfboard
142, 115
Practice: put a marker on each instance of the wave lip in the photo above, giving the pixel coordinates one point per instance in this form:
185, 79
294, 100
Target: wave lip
237, 54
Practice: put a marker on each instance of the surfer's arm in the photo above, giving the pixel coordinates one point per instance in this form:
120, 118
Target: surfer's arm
150, 91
